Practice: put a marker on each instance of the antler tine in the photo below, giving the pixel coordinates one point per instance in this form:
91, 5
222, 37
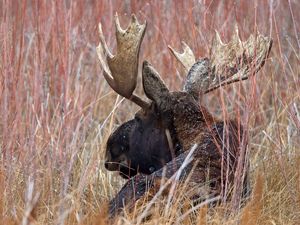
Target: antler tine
121, 70
237, 60
186, 58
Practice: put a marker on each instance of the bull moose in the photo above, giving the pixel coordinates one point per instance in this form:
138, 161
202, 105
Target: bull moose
156, 142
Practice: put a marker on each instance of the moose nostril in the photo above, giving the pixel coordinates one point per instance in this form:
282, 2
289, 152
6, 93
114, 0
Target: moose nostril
106, 165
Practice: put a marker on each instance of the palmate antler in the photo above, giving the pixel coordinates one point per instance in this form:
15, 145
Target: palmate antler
121, 70
186, 58
228, 63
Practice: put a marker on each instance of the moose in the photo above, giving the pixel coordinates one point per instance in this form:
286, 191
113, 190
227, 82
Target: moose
157, 141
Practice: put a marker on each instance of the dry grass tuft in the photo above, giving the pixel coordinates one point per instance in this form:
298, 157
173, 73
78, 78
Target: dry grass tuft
101, 218
202, 216
2, 193
252, 211
3, 218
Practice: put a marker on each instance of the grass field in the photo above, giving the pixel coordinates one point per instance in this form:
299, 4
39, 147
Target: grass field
56, 109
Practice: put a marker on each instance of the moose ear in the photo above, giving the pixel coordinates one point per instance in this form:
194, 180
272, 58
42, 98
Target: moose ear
154, 87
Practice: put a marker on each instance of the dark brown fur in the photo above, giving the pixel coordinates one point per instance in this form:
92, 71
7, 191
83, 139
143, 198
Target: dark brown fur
163, 132
148, 148
139, 145
206, 166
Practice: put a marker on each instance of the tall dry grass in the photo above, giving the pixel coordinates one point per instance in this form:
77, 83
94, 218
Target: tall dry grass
56, 110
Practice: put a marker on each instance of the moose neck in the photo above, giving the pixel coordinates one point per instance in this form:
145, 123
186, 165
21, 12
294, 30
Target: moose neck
191, 121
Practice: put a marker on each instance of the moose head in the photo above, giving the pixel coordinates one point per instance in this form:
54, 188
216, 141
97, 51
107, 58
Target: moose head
169, 123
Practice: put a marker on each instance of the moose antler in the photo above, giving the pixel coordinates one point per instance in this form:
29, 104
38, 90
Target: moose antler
237, 60
121, 70
187, 58
228, 63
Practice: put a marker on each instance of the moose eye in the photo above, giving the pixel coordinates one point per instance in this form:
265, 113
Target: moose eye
137, 118
151, 169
